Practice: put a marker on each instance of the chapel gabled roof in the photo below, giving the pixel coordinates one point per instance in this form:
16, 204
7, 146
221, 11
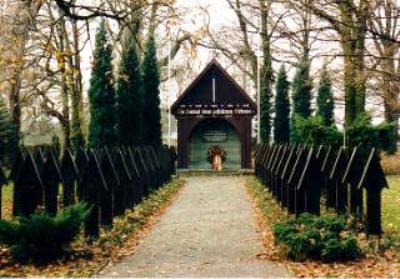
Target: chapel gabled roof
214, 67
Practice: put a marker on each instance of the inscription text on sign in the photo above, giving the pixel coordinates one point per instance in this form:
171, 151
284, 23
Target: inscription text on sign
215, 110
215, 136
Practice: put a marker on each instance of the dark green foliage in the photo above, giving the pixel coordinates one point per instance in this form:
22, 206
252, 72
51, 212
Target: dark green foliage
313, 237
102, 129
325, 102
312, 131
151, 84
130, 96
282, 108
6, 129
40, 237
362, 133
302, 87
265, 99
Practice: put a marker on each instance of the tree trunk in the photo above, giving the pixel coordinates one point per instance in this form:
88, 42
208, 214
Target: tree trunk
77, 137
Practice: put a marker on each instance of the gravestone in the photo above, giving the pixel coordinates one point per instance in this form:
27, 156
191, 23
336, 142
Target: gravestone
373, 180
143, 175
263, 164
17, 165
28, 188
138, 183
70, 175
278, 170
124, 198
151, 168
287, 169
113, 183
81, 161
93, 187
52, 177
330, 185
274, 183
336, 175
310, 183
270, 161
351, 178
296, 202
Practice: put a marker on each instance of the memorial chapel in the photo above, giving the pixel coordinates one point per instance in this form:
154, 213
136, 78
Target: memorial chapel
214, 117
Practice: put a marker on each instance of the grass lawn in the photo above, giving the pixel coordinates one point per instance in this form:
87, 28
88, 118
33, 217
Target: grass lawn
6, 205
391, 206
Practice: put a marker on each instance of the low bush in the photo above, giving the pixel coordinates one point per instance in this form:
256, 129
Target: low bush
40, 237
320, 238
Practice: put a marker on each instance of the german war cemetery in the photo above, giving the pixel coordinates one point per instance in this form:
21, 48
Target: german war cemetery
215, 139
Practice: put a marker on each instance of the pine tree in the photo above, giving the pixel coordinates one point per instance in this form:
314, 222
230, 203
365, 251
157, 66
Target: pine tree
151, 84
282, 108
102, 130
302, 87
130, 97
6, 129
325, 103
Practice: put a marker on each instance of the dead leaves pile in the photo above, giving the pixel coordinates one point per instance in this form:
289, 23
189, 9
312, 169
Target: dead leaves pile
87, 260
373, 264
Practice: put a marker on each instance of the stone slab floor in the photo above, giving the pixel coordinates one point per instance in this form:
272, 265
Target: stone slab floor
209, 231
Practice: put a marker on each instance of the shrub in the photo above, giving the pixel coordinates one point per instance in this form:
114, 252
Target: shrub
361, 133
312, 130
41, 237
312, 237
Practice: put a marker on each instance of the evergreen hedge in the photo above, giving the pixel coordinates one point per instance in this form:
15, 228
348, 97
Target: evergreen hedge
40, 237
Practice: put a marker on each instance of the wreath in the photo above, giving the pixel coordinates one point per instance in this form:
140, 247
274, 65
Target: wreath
215, 150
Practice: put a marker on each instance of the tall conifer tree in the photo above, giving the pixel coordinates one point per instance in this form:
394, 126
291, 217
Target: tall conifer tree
130, 97
302, 87
325, 102
265, 99
151, 87
102, 129
282, 108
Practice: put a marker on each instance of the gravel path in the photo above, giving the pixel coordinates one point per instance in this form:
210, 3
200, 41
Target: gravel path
209, 231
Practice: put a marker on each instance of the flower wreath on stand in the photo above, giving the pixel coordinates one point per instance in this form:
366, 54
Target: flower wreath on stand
215, 150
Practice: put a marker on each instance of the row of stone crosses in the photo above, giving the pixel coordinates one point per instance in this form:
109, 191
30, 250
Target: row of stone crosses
349, 179
108, 180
